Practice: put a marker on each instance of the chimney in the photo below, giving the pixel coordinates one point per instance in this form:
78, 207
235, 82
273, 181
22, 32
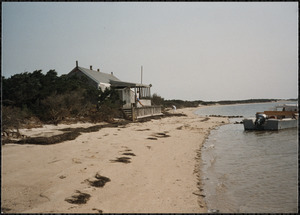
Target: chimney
111, 73
76, 64
91, 67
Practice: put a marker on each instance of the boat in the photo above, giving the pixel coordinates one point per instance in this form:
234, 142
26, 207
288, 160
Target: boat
281, 117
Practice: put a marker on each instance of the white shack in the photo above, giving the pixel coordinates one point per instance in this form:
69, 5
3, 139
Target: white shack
136, 97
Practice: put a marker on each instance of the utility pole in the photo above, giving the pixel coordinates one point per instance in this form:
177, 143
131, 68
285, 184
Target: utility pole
141, 74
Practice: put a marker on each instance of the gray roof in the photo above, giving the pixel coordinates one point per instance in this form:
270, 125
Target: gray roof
99, 77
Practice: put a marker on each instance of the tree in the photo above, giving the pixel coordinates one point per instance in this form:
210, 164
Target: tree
52, 98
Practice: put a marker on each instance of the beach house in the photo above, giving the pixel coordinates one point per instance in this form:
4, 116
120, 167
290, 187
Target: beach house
136, 97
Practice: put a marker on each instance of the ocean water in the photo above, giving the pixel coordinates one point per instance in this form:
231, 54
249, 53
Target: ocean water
249, 171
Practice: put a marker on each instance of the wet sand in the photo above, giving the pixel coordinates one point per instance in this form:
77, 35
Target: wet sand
148, 167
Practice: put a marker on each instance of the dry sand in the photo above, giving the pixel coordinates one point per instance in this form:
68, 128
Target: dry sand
162, 175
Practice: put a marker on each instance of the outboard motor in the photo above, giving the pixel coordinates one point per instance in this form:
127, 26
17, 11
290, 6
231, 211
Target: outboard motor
260, 119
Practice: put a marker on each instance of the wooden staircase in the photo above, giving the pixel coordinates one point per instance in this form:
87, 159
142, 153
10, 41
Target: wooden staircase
127, 113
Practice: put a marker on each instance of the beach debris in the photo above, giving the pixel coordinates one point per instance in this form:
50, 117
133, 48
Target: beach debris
69, 134
100, 182
62, 176
158, 135
129, 153
122, 160
152, 138
162, 135
99, 211
146, 129
205, 119
78, 198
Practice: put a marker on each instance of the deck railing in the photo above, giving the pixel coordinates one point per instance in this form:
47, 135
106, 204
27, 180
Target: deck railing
146, 111
135, 113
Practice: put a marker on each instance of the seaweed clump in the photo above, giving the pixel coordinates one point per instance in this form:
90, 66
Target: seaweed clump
122, 160
100, 182
78, 198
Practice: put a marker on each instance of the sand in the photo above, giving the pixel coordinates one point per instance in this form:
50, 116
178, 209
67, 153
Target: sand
159, 174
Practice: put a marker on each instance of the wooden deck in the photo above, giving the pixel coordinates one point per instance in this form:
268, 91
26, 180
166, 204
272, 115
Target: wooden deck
135, 113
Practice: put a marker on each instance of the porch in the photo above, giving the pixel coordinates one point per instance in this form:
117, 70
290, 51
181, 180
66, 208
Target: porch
137, 100
136, 113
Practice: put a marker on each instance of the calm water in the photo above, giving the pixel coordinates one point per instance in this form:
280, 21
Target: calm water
249, 171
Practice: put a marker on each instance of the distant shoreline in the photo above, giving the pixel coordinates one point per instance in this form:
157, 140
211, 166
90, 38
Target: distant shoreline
218, 104
197, 103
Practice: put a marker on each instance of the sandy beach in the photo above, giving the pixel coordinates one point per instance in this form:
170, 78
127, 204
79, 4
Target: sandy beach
142, 167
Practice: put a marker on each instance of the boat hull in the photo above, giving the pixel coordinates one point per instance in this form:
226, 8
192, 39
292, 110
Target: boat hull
270, 124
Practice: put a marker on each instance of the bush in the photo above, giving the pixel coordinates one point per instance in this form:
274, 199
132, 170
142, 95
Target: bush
13, 117
57, 108
109, 105
157, 100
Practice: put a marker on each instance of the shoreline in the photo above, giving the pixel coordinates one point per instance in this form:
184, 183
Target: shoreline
152, 167
246, 103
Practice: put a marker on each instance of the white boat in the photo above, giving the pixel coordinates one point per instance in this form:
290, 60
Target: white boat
282, 117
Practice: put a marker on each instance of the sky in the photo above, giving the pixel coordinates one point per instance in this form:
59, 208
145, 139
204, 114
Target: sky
208, 51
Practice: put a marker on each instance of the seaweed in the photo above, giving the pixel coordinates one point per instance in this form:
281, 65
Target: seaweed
78, 198
152, 138
129, 153
100, 182
70, 134
122, 160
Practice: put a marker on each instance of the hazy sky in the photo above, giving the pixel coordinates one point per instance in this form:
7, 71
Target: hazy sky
189, 50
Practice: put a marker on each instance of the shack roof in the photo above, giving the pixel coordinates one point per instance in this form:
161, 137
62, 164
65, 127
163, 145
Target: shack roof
98, 76
101, 77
